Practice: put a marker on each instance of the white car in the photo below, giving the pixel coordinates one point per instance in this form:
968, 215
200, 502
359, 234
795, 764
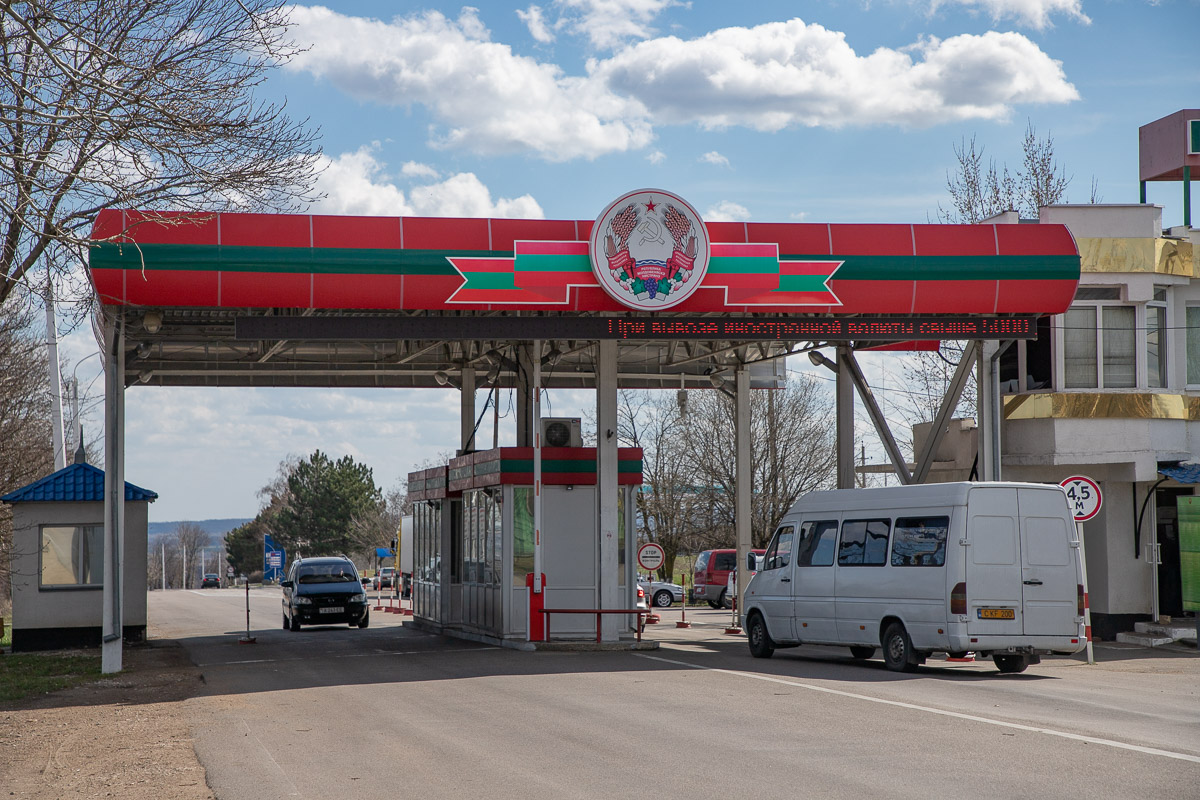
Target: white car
661, 594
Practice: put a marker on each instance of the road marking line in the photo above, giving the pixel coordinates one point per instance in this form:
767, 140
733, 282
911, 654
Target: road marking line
956, 714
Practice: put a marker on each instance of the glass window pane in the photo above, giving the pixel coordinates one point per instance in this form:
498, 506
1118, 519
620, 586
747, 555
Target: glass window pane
1193, 345
920, 542
72, 555
1079, 340
1118, 339
522, 534
1156, 352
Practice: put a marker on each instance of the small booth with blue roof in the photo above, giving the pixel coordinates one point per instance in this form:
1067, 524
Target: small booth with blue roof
58, 560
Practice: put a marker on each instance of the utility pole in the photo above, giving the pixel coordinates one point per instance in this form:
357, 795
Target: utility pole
164, 565
56, 414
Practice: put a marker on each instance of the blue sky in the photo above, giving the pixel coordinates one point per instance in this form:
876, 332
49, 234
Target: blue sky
831, 111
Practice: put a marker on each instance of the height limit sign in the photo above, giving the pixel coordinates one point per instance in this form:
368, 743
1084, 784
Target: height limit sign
1083, 495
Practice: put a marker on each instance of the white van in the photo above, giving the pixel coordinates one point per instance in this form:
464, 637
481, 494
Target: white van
990, 568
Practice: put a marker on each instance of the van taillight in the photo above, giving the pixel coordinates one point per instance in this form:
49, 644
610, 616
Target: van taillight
958, 599
1081, 600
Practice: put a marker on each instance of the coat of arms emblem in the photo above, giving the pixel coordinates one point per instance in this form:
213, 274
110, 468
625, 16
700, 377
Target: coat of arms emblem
649, 250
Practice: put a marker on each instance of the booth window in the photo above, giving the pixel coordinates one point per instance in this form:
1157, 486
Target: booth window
72, 555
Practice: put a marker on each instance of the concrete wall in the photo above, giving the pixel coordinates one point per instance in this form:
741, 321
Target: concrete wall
35, 608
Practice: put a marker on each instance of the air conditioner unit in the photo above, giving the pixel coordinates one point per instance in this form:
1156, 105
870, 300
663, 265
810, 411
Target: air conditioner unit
562, 432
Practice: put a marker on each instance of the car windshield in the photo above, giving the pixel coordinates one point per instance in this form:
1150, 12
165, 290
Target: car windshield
326, 573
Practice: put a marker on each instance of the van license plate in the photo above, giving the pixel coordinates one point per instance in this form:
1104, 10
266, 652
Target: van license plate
333, 610
997, 613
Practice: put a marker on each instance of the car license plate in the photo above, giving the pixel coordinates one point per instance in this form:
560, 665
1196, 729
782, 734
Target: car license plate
997, 613
333, 610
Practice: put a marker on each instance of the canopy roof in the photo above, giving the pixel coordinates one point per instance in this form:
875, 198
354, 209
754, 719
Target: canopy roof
264, 299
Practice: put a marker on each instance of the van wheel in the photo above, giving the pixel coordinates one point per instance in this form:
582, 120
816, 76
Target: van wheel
723, 600
862, 653
898, 650
714, 604
365, 621
1010, 664
295, 626
761, 645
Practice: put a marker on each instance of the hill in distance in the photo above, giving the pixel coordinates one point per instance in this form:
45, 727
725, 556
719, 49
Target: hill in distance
215, 528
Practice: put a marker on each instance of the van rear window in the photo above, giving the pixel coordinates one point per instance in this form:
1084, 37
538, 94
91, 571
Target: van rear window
920, 542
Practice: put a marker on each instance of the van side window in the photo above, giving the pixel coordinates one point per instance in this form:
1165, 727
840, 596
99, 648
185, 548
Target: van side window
864, 543
920, 542
779, 552
817, 543
724, 561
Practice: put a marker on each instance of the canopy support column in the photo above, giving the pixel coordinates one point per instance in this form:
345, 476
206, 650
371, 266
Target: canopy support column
467, 411
743, 478
607, 491
114, 493
844, 394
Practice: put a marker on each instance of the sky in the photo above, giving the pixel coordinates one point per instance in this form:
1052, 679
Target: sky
827, 111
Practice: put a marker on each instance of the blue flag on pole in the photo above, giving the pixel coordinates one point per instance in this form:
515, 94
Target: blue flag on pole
273, 560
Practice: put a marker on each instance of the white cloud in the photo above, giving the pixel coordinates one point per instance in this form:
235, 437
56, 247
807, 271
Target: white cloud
798, 216
413, 169
486, 99
1032, 13
714, 158
657, 157
610, 23
784, 74
357, 183
727, 211
536, 23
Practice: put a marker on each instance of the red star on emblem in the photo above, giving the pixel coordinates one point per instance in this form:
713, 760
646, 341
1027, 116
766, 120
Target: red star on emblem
651, 205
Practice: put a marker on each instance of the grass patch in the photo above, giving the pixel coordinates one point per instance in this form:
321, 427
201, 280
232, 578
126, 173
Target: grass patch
6, 635
28, 674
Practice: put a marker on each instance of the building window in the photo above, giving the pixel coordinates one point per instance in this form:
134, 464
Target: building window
1100, 347
1192, 321
72, 555
1156, 339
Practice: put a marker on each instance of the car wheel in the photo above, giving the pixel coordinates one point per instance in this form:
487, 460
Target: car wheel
862, 653
761, 645
663, 598
295, 626
1010, 664
285, 622
365, 621
898, 650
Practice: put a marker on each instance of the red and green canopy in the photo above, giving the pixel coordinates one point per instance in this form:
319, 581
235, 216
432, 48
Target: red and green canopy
423, 263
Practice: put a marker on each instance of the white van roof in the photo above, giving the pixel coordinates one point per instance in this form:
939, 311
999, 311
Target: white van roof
926, 494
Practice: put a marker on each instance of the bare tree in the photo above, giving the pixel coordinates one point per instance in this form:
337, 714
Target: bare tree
667, 506
977, 193
144, 104
792, 453
190, 538
25, 450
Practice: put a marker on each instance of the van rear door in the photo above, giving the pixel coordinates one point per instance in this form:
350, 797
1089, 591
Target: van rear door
1048, 563
993, 562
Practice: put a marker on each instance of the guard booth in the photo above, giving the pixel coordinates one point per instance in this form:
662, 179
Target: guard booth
473, 541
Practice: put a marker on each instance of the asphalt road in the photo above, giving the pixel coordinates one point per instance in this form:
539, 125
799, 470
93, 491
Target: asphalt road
390, 711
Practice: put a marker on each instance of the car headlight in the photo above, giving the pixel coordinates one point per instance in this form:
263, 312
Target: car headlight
358, 598
302, 601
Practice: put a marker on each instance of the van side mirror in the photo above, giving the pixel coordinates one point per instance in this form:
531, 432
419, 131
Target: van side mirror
286, 584
751, 563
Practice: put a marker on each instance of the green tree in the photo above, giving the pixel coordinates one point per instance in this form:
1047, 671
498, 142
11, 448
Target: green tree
244, 545
325, 498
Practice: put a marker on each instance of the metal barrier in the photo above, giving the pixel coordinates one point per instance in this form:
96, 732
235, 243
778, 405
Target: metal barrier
641, 612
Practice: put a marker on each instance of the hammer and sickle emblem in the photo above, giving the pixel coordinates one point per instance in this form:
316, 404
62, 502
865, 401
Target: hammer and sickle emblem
651, 232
